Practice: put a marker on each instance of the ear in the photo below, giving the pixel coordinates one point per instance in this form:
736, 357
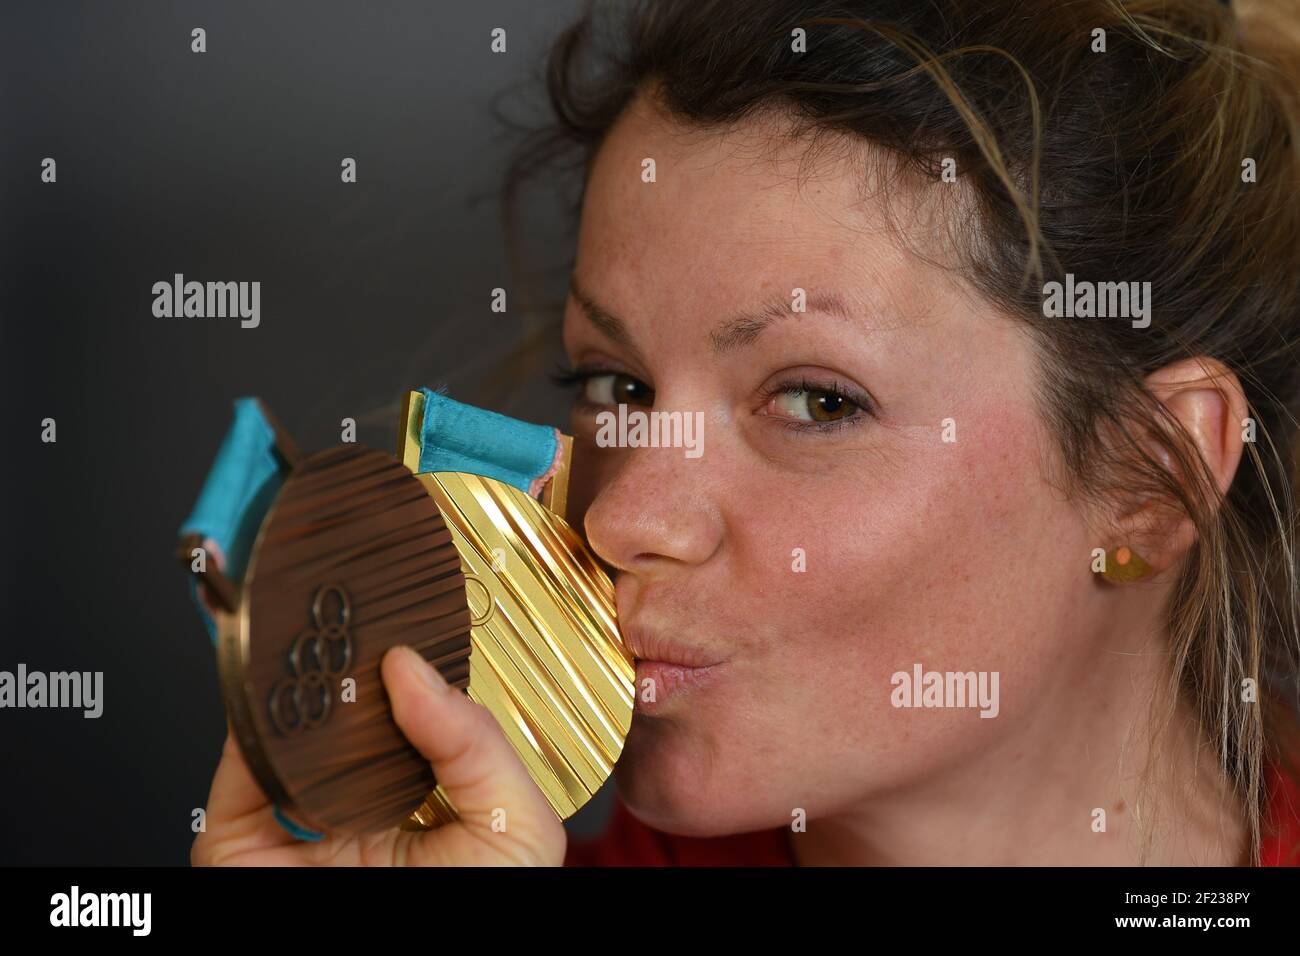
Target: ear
1206, 398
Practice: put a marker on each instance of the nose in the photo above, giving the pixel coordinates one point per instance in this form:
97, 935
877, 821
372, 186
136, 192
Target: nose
655, 513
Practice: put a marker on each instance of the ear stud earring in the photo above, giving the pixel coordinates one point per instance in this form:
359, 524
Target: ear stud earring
1124, 565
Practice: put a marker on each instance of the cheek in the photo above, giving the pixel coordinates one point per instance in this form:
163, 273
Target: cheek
959, 559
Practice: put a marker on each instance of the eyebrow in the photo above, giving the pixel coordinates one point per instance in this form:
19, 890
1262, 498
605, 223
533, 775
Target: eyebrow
739, 331
602, 318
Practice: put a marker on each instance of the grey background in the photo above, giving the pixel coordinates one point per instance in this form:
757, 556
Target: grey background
225, 166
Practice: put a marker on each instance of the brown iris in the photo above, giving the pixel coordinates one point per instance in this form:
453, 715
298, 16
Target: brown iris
827, 406
617, 388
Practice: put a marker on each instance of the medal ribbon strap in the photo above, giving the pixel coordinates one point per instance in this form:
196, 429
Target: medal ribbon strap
242, 483
459, 437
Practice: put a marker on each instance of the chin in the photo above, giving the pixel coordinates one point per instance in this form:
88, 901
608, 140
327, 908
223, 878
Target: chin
679, 787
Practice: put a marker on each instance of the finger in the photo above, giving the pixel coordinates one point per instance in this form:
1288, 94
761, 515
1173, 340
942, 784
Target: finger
471, 757
240, 825
235, 792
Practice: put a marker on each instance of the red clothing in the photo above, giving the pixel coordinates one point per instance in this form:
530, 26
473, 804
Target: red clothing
1280, 843
628, 842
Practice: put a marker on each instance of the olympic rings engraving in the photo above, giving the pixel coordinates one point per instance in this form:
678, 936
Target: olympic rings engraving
318, 657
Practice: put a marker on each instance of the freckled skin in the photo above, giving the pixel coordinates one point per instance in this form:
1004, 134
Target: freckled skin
960, 556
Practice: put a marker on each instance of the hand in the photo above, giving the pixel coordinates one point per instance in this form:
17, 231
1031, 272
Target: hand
471, 758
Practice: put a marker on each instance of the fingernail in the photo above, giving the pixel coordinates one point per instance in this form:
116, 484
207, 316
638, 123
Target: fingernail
428, 673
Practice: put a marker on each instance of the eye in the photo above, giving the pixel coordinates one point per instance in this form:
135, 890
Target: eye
806, 403
598, 387
615, 388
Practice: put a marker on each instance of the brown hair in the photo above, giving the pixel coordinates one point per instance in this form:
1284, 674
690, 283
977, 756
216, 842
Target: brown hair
1123, 163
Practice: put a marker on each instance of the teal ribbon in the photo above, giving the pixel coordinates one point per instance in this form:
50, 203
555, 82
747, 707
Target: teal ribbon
459, 437
302, 833
242, 483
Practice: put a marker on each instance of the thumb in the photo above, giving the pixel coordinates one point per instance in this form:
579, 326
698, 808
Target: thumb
472, 758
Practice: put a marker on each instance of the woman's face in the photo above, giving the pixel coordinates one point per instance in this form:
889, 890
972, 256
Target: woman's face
873, 490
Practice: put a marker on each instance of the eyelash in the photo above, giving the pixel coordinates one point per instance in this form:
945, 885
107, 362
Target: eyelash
568, 378
574, 378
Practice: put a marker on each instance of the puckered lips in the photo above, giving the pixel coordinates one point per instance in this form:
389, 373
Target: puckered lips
666, 669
